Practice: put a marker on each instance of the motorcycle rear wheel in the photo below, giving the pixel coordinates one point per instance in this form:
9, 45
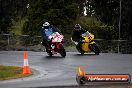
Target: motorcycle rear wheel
62, 51
95, 48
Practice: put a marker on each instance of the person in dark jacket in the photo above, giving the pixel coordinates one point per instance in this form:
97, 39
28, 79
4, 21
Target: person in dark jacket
77, 36
47, 30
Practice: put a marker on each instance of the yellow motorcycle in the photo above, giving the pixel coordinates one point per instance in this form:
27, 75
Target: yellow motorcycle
88, 44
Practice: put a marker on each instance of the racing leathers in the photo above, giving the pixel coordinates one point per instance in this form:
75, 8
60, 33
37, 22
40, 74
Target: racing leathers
77, 38
46, 33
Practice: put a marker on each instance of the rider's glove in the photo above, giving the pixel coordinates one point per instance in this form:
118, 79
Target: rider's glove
76, 43
57, 33
50, 37
83, 40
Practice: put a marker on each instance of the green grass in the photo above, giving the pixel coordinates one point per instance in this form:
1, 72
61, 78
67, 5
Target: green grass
11, 72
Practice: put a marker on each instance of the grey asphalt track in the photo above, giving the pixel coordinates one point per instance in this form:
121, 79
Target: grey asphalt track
54, 71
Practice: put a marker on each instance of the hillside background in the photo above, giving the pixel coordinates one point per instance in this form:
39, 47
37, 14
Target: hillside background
21, 20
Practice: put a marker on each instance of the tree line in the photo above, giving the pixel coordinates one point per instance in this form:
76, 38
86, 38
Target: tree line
102, 16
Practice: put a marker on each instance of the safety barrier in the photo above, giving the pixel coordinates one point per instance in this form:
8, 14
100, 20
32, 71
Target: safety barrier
33, 43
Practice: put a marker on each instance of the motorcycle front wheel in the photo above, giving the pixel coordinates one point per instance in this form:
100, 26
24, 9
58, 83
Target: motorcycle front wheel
49, 52
80, 50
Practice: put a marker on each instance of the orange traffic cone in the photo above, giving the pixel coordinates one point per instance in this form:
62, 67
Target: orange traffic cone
26, 69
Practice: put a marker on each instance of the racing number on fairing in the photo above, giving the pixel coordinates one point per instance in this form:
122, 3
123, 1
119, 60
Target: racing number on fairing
90, 38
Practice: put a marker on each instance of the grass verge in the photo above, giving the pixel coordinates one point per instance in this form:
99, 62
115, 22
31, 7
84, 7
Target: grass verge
11, 72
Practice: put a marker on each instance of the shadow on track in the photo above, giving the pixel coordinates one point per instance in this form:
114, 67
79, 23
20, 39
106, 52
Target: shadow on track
54, 57
85, 54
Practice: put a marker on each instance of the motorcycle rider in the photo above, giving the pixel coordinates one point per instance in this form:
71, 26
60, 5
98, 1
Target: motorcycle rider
47, 30
77, 36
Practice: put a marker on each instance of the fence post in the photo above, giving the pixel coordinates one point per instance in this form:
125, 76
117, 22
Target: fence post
25, 40
8, 40
118, 47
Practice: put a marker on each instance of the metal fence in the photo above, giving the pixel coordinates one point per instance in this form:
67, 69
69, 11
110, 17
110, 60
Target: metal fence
115, 46
33, 43
23, 42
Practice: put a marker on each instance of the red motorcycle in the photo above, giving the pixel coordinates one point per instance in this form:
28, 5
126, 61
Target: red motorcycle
56, 45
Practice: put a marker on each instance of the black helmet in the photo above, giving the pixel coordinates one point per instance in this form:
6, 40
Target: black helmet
77, 27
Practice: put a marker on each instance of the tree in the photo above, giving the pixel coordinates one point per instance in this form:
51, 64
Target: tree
59, 13
10, 10
126, 23
107, 11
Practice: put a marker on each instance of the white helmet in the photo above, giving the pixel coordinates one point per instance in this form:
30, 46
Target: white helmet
46, 24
